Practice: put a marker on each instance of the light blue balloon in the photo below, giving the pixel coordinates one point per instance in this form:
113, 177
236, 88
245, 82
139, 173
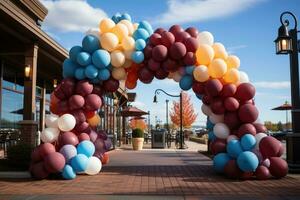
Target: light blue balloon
74, 51
248, 142
80, 73
101, 58
140, 44
103, 74
90, 43
186, 82
69, 68
79, 162
247, 161
211, 136
68, 151
137, 57
209, 125
141, 33
86, 147
68, 172
84, 59
220, 160
189, 69
234, 148
147, 26
116, 17
125, 16
91, 71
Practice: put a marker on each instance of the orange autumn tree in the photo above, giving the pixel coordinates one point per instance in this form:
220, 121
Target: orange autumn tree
137, 123
188, 114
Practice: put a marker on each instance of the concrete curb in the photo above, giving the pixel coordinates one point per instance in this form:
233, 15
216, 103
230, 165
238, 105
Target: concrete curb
15, 175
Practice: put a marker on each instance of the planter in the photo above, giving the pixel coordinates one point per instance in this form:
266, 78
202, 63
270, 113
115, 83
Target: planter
137, 143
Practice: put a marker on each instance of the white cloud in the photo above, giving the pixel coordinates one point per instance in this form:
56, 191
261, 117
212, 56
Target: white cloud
232, 49
139, 104
71, 15
184, 11
272, 84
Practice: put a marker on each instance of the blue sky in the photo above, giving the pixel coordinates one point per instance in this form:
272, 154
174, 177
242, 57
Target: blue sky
247, 28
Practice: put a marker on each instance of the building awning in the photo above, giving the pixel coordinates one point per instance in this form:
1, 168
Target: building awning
132, 111
285, 106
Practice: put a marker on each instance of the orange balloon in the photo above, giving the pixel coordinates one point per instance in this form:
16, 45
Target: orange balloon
53, 108
105, 159
53, 98
89, 114
130, 85
94, 121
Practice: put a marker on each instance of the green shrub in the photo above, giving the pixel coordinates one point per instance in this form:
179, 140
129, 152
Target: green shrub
137, 133
19, 154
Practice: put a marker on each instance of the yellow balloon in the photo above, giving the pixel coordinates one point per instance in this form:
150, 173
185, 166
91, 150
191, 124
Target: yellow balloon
118, 73
120, 30
106, 25
233, 62
220, 51
117, 58
128, 43
204, 54
128, 54
201, 73
109, 41
129, 26
127, 63
94, 121
217, 68
232, 76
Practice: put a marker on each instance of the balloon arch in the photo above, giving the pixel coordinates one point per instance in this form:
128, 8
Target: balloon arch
122, 50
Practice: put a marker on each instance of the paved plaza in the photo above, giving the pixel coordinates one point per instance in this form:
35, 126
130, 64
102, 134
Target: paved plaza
153, 174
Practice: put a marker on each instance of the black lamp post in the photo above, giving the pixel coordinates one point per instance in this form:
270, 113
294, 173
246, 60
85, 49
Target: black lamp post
167, 115
157, 91
287, 43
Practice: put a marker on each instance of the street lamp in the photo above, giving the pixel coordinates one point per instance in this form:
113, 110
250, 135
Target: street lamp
287, 43
157, 91
167, 114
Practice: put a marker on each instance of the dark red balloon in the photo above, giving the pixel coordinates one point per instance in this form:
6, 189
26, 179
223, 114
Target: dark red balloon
161, 74
111, 85
232, 170
62, 107
83, 136
245, 92
246, 129
68, 138
189, 59
68, 86
176, 29
153, 65
170, 65
54, 162
155, 39
36, 155
278, 167
83, 127
228, 90
84, 88
98, 90
269, 147
217, 146
281, 150
260, 128
159, 53
145, 75
192, 31
181, 36
248, 113
231, 104
217, 106
79, 116
75, 102
160, 31
39, 171
206, 99
58, 92
246, 175
92, 102
198, 87
213, 87
262, 173
46, 149
148, 52
191, 44
167, 39
177, 50
231, 119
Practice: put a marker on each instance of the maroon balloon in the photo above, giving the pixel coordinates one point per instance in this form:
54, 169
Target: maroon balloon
231, 119
79, 116
39, 171
54, 162
269, 147
281, 150
217, 106
206, 99
175, 29
159, 53
148, 52
83, 136
161, 74
262, 173
198, 87
68, 138
278, 167
247, 175
83, 127
68, 86
189, 59
35, 155
245, 92
260, 128
98, 90
145, 75
191, 44
92, 102
228, 90
217, 146
177, 50
213, 87
75, 102
160, 31
232, 170
46, 149
58, 92
111, 85
99, 144
153, 65
246, 129
181, 36
170, 65
62, 107
231, 104
192, 31
248, 113
84, 88
155, 39
167, 39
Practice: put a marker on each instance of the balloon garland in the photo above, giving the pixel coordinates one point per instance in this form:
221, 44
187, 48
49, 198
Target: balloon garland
124, 51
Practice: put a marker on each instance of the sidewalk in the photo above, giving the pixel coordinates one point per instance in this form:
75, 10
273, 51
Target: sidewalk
152, 174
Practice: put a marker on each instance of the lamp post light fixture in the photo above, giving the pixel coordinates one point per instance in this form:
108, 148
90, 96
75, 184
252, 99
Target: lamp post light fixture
287, 43
27, 71
157, 91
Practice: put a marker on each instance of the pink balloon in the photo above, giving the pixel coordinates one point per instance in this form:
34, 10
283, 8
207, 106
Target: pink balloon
75, 102
54, 162
83, 136
92, 102
68, 138
84, 88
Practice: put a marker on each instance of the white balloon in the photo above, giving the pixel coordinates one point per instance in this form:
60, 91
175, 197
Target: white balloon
66, 122
206, 109
93, 32
205, 37
216, 118
94, 166
266, 163
258, 138
244, 77
221, 130
232, 137
51, 121
49, 135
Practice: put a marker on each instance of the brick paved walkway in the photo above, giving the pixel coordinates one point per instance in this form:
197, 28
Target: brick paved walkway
166, 174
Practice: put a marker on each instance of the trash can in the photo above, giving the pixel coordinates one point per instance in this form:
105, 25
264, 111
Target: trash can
158, 139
